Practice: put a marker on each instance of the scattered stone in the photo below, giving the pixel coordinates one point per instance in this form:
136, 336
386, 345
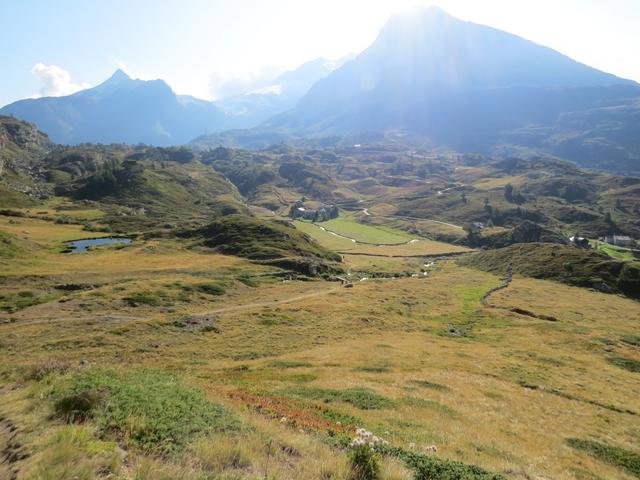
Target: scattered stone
198, 323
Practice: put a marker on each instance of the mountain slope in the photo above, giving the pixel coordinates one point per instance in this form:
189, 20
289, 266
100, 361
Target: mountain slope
21, 144
120, 110
472, 88
252, 108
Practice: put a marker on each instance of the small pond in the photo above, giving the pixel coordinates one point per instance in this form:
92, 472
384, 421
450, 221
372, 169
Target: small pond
79, 246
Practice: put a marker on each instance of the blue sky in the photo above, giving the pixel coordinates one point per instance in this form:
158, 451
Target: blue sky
209, 48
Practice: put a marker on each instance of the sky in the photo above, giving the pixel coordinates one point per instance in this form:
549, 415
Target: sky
214, 48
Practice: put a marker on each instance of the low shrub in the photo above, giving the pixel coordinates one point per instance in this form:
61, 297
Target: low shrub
146, 408
248, 280
211, 288
625, 362
288, 364
430, 467
364, 463
41, 370
426, 467
80, 406
361, 398
632, 340
616, 456
143, 298
342, 418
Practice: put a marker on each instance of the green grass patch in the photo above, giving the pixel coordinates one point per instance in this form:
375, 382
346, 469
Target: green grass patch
613, 251
349, 227
150, 409
361, 398
616, 456
153, 299
339, 417
211, 288
289, 364
625, 362
631, 340
248, 280
13, 302
430, 467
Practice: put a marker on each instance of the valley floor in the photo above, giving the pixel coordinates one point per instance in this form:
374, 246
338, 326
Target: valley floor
418, 360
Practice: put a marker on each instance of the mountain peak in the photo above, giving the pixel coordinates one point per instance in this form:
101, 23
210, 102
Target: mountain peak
419, 12
118, 76
431, 10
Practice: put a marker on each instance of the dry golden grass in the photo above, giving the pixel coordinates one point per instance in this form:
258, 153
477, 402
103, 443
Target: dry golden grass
504, 395
420, 247
44, 232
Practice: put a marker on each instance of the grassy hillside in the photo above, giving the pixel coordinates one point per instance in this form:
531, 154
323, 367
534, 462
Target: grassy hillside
146, 185
218, 344
264, 240
570, 265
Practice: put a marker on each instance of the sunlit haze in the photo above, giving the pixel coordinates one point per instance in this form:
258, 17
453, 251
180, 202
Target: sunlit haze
211, 49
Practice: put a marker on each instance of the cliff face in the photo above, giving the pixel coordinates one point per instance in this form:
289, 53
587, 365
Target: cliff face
17, 136
22, 146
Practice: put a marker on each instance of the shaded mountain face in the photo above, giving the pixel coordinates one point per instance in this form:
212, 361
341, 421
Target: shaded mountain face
124, 110
473, 88
121, 110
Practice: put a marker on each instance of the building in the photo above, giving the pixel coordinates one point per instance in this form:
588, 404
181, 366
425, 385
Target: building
580, 241
619, 240
325, 212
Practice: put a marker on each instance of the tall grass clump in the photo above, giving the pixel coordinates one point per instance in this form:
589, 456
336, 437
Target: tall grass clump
364, 456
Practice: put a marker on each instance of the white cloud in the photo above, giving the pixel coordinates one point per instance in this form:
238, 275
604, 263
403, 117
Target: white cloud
56, 81
224, 86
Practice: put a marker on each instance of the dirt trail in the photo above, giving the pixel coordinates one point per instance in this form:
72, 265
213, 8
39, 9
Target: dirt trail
354, 240
250, 306
116, 319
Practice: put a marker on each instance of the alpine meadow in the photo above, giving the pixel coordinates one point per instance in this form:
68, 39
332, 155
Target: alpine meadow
414, 256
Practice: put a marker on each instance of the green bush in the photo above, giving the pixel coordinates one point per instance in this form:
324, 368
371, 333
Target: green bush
629, 279
78, 407
211, 288
361, 398
289, 364
616, 456
248, 280
632, 340
146, 408
429, 467
143, 298
364, 464
626, 363
343, 418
